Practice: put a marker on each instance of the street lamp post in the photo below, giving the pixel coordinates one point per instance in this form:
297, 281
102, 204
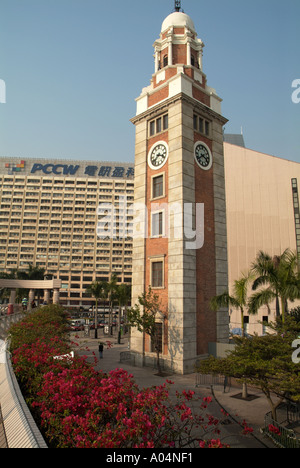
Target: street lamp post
96, 322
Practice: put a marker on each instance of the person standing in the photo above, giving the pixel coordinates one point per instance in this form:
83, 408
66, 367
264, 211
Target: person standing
101, 350
24, 303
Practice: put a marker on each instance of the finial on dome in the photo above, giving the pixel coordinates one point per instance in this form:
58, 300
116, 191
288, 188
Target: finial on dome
178, 5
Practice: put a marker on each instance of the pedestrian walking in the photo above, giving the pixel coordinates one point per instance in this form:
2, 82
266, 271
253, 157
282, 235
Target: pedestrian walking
225, 383
101, 350
24, 303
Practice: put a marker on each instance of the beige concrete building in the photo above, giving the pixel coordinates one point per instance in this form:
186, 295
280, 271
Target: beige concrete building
49, 218
262, 208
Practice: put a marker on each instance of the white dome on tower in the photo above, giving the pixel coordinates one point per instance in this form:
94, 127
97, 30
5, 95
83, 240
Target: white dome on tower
178, 19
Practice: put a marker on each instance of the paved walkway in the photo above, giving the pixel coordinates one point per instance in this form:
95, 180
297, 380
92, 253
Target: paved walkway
231, 433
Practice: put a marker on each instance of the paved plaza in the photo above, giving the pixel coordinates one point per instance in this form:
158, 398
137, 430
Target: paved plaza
252, 412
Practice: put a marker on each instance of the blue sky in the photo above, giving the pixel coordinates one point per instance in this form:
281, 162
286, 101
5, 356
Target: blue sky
73, 69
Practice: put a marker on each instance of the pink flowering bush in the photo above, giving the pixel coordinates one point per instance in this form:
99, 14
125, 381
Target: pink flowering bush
77, 407
274, 430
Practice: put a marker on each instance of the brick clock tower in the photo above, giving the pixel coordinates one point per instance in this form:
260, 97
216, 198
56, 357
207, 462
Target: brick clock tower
180, 245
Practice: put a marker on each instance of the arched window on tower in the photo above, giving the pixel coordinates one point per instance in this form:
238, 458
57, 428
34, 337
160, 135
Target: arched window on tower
165, 61
194, 62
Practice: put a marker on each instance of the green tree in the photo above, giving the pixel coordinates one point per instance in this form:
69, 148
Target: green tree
264, 362
32, 273
238, 299
279, 278
145, 320
98, 290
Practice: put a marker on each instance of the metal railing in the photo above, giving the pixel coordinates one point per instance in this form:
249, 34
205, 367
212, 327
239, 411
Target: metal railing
7, 320
207, 380
125, 356
281, 436
3, 310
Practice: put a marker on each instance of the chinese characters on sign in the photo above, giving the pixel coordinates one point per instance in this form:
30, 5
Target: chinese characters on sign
109, 171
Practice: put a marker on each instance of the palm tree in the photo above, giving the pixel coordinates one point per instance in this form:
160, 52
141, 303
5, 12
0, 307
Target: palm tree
99, 291
238, 300
111, 290
33, 273
280, 276
123, 296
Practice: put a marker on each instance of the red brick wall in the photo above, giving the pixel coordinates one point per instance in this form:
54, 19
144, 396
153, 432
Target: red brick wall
157, 246
200, 96
170, 72
179, 54
158, 96
205, 257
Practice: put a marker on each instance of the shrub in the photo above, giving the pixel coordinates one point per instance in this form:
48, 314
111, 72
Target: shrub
77, 407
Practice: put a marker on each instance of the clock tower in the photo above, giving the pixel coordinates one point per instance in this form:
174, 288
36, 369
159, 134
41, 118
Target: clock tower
180, 241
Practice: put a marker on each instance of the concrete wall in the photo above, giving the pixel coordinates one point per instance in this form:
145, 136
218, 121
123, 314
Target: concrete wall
20, 428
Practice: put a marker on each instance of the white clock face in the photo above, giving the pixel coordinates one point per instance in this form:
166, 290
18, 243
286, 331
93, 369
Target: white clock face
203, 155
158, 155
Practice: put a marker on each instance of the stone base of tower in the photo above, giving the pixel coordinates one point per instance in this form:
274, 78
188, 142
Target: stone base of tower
181, 363
167, 365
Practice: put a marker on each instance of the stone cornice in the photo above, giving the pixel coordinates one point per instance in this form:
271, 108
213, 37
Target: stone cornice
164, 105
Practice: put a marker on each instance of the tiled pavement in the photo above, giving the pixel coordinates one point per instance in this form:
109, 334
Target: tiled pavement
251, 411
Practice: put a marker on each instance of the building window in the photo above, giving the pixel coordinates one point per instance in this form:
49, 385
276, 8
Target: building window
157, 224
158, 125
296, 212
158, 189
201, 125
152, 128
246, 324
157, 273
165, 122
265, 320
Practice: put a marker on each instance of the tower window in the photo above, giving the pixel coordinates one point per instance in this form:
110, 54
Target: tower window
165, 122
194, 61
158, 186
157, 276
157, 224
158, 125
201, 125
165, 61
206, 128
152, 128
